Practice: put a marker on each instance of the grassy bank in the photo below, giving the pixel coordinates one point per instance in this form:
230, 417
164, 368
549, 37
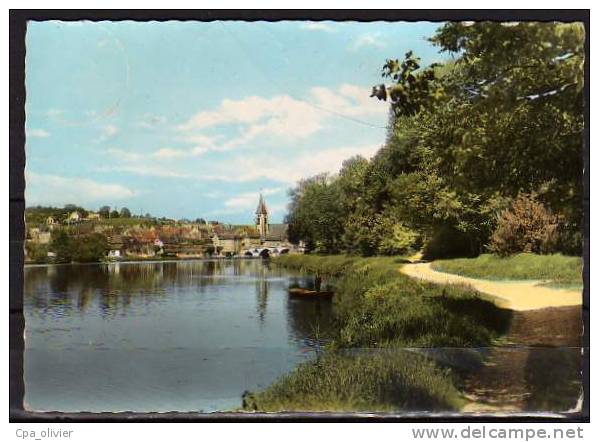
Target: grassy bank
376, 307
557, 270
366, 381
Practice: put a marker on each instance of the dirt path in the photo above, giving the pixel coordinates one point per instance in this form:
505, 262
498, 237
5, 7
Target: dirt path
537, 369
514, 295
536, 365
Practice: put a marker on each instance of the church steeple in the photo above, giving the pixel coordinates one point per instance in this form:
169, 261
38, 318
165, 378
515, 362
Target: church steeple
262, 217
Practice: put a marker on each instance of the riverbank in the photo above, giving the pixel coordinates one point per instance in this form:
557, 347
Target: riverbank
380, 315
404, 344
144, 260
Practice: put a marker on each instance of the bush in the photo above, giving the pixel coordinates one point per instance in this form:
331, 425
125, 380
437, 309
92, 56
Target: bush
37, 253
526, 226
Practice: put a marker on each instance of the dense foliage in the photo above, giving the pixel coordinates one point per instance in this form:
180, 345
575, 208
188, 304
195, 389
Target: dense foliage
503, 118
82, 248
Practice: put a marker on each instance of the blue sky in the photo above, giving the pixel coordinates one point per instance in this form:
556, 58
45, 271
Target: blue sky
189, 119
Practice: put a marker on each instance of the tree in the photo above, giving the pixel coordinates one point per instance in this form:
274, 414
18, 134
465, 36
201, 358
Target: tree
104, 211
61, 245
315, 214
114, 214
505, 117
125, 213
466, 137
89, 248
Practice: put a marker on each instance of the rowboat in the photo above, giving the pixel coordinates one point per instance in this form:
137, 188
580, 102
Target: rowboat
312, 294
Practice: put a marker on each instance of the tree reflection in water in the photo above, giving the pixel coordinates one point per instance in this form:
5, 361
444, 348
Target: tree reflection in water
162, 336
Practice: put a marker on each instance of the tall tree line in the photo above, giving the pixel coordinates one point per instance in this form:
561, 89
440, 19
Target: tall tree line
466, 138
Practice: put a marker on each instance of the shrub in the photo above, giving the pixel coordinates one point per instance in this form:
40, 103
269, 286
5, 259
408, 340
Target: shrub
37, 253
526, 226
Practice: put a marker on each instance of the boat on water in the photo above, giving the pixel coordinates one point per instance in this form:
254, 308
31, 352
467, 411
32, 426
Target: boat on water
310, 294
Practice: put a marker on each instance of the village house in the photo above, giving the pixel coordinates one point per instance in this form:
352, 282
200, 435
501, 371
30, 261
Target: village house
51, 222
115, 246
92, 216
74, 217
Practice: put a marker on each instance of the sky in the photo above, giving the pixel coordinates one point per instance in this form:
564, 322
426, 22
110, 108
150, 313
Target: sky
194, 120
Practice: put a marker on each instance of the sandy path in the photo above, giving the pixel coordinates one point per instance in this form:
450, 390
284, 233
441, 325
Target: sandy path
515, 295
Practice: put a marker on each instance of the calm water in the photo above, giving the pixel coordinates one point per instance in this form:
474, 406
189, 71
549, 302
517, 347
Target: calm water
170, 336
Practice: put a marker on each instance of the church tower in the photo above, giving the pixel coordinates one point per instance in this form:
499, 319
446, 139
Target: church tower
262, 218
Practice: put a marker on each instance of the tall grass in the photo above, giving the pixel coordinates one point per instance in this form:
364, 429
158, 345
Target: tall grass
365, 381
557, 269
377, 306
378, 313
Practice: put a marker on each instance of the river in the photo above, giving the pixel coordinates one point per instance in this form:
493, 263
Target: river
163, 336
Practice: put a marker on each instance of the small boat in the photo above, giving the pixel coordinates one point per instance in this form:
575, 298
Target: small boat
312, 294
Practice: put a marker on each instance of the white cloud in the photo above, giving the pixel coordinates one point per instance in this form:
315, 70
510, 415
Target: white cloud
282, 117
37, 133
150, 121
248, 200
124, 155
167, 152
281, 166
349, 100
163, 153
290, 169
109, 130
260, 124
54, 189
156, 170
203, 144
258, 114
368, 40
317, 26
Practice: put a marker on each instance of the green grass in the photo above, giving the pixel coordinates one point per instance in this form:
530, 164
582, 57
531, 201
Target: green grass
378, 308
368, 381
558, 270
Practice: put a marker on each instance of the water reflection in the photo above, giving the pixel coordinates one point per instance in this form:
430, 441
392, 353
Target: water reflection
159, 336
